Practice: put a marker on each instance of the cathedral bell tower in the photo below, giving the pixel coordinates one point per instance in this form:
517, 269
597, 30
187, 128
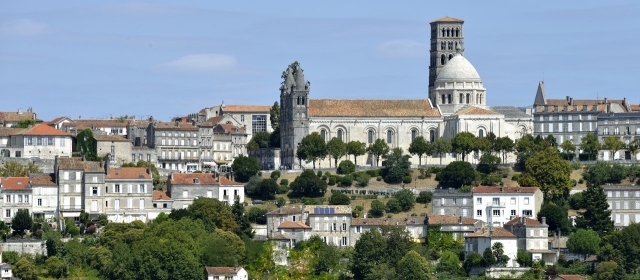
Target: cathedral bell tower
294, 114
446, 39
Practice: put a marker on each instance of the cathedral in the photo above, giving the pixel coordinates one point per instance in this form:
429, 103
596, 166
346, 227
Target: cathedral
456, 103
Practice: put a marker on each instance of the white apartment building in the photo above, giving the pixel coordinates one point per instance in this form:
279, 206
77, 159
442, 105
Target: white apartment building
498, 205
16, 194
45, 195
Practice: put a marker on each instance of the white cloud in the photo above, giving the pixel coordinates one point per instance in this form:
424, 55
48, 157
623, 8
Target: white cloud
402, 49
200, 63
22, 28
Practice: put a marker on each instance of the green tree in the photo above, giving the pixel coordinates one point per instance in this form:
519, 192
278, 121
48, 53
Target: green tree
393, 206
441, 147
424, 197
472, 260
222, 248
463, 143
25, 123
590, 145
612, 144
244, 226
213, 213
548, 171
598, 174
24, 269
583, 241
413, 266
245, 167
505, 146
556, 216
261, 140
21, 221
450, 264
15, 169
377, 149
456, 175
268, 188
257, 215
420, 147
356, 148
568, 149
158, 258
382, 272
377, 208
525, 148
605, 270
498, 253
55, 267
482, 144
338, 198
488, 258
86, 145
274, 116
308, 185
336, 149
488, 163
576, 201
596, 215
406, 199
524, 258
346, 167
398, 166
368, 253
313, 148
634, 148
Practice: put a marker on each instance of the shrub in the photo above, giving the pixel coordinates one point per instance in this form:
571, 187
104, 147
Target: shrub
324, 177
424, 197
257, 215
328, 174
338, 198
379, 178
393, 205
373, 172
377, 208
91, 229
284, 182
363, 179
281, 201
515, 177
406, 179
576, 165
346, 167
275, 175
405, 199
282, 189
332, 181
581, 181
346, 181
319, 174
423, 173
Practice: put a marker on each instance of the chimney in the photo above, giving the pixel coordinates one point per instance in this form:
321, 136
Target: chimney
605, 100
460, 220
571, 101
568, 98
501, 188
171, 176
106, 167
491, 231
524, 219
544, 220
19, 111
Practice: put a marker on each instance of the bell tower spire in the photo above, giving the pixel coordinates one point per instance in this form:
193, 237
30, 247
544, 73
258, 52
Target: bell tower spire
447, 39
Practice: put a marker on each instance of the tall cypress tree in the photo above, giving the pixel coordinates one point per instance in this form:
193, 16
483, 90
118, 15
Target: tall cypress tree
597, 215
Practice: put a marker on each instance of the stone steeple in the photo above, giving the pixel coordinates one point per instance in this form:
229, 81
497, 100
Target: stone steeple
294, 114
447, 39
541, 99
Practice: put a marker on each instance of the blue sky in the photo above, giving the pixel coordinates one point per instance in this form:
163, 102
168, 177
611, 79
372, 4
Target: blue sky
98, 59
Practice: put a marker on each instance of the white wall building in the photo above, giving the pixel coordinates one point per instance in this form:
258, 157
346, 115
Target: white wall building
487, 236
45, 195
498, 205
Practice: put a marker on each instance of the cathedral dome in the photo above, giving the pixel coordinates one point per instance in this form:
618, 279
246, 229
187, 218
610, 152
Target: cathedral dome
458, 69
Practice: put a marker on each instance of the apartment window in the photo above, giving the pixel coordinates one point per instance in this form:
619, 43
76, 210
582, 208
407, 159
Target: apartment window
344, 241
626, 205
389, 136
94, 179
334, 227
526, 201
8, 200
164, 205
513, 201
65, 175
185, 194
617, 193
40, 202
344, 226
66, 188
479, 200
496, 201
617, 205
116, 204
496, 213
550, 127
513, 212
526, 213
129, 187
116, 188
258, 123
626, 194
139, 156
94, 206
479, 213
133, 157
7, 213
464, 201
78, 188
370, 136
148, 157
414, 134
94, 191
209, 194
610, 194
141, 188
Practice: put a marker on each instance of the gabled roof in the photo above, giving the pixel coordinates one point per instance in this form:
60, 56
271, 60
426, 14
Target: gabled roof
472, 110
450, 220
43, 130
371, 108
245, 108
42, 179
128, 173
16, 116
292, 225
222, 270
160, 195
96, 123
286, 210
484, 189
184, 126
59, 119
498, 232
635, 108
70, 163
93, 167
8, 131
15, 183
110, 138
232, 128
203, 179
447, 19
528, 221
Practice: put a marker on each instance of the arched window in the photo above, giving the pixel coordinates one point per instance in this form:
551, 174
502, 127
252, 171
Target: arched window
414, 134
389, 136
442, 32
340, 134
442, 45
448, 32
457, 32
323, 133
370, 136
450, 56
303, 101
443, 99
480, 133
449, 99
461, 98
442, 57
468, 98
480, 99
298, 100
432, 136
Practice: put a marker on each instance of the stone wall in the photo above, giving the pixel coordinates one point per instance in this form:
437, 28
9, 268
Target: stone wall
45, 165
25, 246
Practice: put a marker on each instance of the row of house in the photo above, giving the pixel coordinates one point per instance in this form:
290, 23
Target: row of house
123, 194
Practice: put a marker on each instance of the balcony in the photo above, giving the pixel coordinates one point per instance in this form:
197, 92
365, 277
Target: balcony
496, 204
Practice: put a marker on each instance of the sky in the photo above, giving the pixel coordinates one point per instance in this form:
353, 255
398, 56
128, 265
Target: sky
102, 59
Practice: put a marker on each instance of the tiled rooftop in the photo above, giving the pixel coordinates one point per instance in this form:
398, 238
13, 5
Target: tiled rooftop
482, 189
246, 108
42, 179
498, 232
203, 179
371, 108
15, 183
128, 173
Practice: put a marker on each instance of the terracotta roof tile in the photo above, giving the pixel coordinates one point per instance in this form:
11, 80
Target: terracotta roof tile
369, 222
204, 179
599, 108
450, 220
111, 138
70, 163
447, 19
371, 108
128, 173
472, 110
8, 131
246, 108
58, 119
232, 128
215, 120
286, 210
96, 123
222, 270
293, 225
42, 179
15, 183
184, 126
43, 130
483, 189
569, 277
635, 108
93, 167
16, 117
160, 195
498, 232
516, 221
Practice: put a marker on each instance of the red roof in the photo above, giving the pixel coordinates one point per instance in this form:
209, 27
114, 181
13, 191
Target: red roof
44, 130
569, 277
224, 270
484, 189
160, 195
128, 173
14, 183
529, 221
450, 220
203, 179
231, 128
246, 108
293, 225
498, 232
42, 179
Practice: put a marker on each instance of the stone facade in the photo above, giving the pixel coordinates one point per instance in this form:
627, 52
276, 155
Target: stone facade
16, 194
625, 126
447, 38
40, 141
45, 195
127, 195
176, 144
184, 188
116, 146
624, 203
69, 172
533, 236
451, 202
